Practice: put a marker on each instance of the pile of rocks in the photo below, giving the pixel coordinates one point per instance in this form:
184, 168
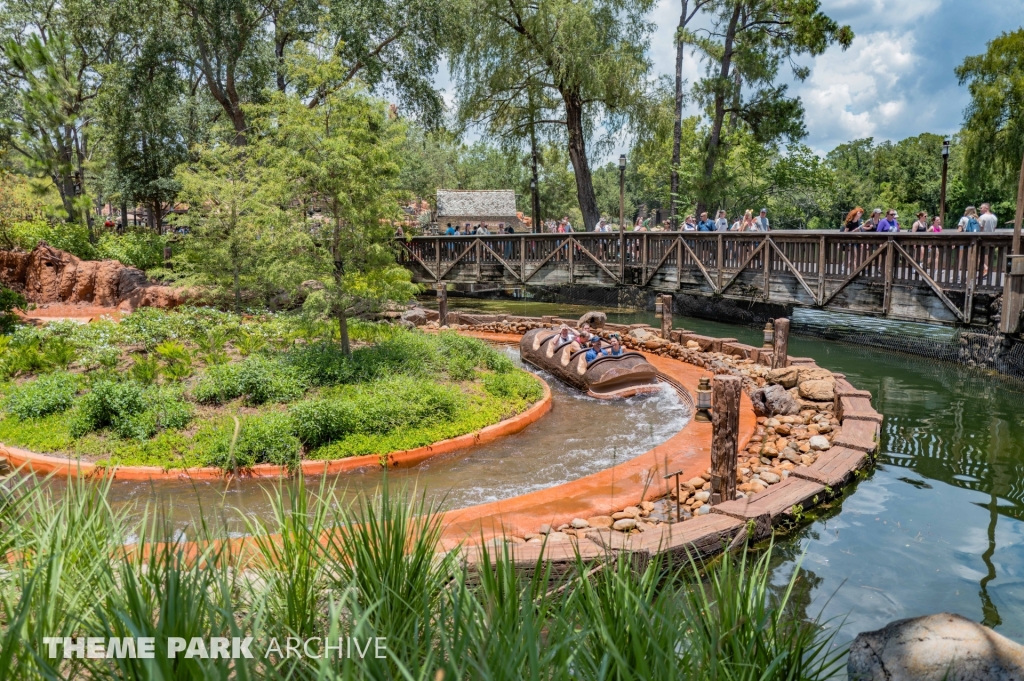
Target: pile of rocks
518, 327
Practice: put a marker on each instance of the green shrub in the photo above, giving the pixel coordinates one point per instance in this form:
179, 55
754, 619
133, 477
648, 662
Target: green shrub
264, 380
259, 379
142, 248
145, 370
130, 410
58, 352
375, 409
322, 363
500, 363
218, 384
513, 386
48, 394
263, 438
249, 342
9, 300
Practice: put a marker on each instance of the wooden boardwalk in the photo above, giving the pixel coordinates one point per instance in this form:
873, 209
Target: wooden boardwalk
948, 278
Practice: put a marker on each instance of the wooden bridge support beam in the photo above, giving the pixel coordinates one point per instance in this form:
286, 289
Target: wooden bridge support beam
442, 304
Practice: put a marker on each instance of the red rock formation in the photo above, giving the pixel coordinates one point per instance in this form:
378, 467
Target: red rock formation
50, 275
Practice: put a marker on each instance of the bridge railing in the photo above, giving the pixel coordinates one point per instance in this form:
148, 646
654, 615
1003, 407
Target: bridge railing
952, 260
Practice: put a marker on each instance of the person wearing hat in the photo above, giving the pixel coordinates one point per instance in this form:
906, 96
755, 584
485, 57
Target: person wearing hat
872, 223
595, 350
762, 221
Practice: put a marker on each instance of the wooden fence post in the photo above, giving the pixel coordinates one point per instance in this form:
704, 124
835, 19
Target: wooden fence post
780, 355
725, 428
666, 316
442, 304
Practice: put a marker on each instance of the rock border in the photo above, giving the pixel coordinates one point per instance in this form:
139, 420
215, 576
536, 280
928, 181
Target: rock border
62, 466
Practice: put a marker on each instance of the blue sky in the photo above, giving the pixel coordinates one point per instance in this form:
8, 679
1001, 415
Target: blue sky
895, 81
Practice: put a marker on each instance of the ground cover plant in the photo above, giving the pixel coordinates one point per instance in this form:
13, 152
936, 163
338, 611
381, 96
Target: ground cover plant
370, 569
202, 387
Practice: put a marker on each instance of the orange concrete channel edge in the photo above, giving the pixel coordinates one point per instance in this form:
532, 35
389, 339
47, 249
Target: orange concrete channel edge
62, 466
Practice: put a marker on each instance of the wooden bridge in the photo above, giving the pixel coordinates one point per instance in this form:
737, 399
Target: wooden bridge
948, 278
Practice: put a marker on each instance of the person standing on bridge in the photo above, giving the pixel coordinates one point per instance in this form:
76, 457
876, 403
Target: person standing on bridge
762, 221
921, 224
988, 220
969, 222
722, 222
705, 224
890, 223
853, 220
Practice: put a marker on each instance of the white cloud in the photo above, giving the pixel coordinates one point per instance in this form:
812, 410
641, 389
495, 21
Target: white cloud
859, 92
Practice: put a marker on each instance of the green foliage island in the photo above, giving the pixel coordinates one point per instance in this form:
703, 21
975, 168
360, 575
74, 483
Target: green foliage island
200, 387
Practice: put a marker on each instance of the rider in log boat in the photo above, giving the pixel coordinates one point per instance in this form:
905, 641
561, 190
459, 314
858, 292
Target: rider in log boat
602, 370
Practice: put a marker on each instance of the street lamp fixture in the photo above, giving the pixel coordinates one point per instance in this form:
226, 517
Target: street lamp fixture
942, 191
703, 401
622, 161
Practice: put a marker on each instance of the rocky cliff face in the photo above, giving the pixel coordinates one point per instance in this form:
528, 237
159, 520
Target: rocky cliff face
50, 275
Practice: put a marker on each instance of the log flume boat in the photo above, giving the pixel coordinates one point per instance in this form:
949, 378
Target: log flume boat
607, 377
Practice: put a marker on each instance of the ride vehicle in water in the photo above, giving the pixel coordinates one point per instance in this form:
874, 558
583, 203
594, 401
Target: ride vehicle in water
607, 377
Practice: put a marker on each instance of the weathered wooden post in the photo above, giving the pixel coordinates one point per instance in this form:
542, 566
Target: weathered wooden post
725, 428
666, 316
442, 304
780, 356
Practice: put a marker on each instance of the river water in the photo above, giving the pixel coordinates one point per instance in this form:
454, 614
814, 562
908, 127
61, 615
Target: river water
939, 525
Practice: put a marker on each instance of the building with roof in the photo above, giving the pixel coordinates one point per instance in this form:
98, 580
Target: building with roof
459, 206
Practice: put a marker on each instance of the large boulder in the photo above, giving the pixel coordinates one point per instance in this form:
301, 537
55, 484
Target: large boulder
50, 275
813, 374
643, 334
594, 318
818, 390
416, 316
774, 400
784, 376
934, 648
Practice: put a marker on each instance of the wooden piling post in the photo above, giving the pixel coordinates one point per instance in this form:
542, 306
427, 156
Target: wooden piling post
666, 316
725, 428
442, 304
780, 357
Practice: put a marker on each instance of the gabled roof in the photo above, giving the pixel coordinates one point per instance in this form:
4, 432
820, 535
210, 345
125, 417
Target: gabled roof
491, 203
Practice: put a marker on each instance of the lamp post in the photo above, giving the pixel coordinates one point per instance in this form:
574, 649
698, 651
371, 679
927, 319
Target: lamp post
622, 219
535, 199
942, 193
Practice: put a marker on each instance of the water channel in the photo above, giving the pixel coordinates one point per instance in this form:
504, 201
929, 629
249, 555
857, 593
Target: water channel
938, 526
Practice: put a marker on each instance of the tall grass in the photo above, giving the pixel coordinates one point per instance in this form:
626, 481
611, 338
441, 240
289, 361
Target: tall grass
75, 567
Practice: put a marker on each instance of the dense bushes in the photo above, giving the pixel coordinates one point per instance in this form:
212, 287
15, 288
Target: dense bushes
50, 394
375, 409
139, 382
258, 379
130, 410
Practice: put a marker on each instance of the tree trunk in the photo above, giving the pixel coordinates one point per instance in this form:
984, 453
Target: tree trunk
124, 216
158, 217
580, 165
339, 277
238, 290
715, 139
677, 125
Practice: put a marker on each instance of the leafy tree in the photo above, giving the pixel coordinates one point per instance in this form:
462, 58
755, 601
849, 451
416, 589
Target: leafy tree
142, 118
344, 153
993, 132
239, 236
577, 62
689, 11
746, 45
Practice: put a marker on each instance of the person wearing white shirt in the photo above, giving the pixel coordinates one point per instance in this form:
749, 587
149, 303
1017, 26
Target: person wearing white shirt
721, 222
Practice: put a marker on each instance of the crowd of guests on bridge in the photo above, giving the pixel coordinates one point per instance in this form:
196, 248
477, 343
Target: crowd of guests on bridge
595, 345
479, 229
980, 219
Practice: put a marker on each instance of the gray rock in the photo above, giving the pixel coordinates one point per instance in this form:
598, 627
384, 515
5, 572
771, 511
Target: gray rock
933, 648
819, 443
703, 510
557, 536
416, 316
770, 478
773, 400
545, 528
624, 525
817, 390
594, 318
579, 523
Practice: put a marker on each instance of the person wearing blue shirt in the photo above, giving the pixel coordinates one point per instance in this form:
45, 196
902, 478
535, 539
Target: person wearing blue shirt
705, 224
889, 224
616, 349
450, 231
595, 350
